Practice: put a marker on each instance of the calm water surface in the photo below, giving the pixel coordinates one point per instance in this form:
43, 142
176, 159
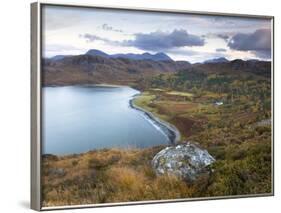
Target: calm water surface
81, 118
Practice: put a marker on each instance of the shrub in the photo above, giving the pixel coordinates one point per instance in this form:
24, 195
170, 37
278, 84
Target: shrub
100, 161
74, 162
263, 129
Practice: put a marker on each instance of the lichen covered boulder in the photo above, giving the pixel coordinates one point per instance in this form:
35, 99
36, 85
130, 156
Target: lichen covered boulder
186, 161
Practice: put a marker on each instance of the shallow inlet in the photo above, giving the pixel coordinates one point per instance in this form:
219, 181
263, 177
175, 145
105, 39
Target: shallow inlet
77, 119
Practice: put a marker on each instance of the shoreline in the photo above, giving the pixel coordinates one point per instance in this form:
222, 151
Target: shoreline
171, 131
86, 85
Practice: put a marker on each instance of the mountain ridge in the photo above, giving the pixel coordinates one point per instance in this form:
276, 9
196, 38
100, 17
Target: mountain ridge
159, 56
99, 68
144, 56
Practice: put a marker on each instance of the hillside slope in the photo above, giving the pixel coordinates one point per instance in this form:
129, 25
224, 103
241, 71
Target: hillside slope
97, 69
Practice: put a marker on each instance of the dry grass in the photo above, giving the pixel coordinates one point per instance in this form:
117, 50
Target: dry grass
113, 175
175, 107
109, 175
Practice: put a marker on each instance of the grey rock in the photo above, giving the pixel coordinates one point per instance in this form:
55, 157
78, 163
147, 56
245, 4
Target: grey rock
57, 172
186, 161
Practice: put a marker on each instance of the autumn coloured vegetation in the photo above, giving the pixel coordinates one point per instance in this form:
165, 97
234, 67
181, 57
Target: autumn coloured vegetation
227, 112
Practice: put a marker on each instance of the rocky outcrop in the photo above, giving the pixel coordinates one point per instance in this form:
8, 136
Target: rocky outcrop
186, 161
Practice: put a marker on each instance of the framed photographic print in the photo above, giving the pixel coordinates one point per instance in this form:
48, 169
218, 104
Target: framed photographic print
137, 105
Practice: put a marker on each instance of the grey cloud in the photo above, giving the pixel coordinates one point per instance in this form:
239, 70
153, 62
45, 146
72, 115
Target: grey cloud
220, 50
258, 42
91, 38
164, 40
154, 41
107, 27
263, 54
223, 36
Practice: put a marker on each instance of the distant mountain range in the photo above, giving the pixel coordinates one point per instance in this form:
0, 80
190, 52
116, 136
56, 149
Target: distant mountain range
59, 57
216, 60
96, 66
144, 56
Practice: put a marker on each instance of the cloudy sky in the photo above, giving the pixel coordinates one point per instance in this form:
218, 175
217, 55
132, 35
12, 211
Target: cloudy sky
194, 38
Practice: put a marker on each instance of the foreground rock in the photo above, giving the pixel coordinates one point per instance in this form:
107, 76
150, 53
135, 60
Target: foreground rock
186, 161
